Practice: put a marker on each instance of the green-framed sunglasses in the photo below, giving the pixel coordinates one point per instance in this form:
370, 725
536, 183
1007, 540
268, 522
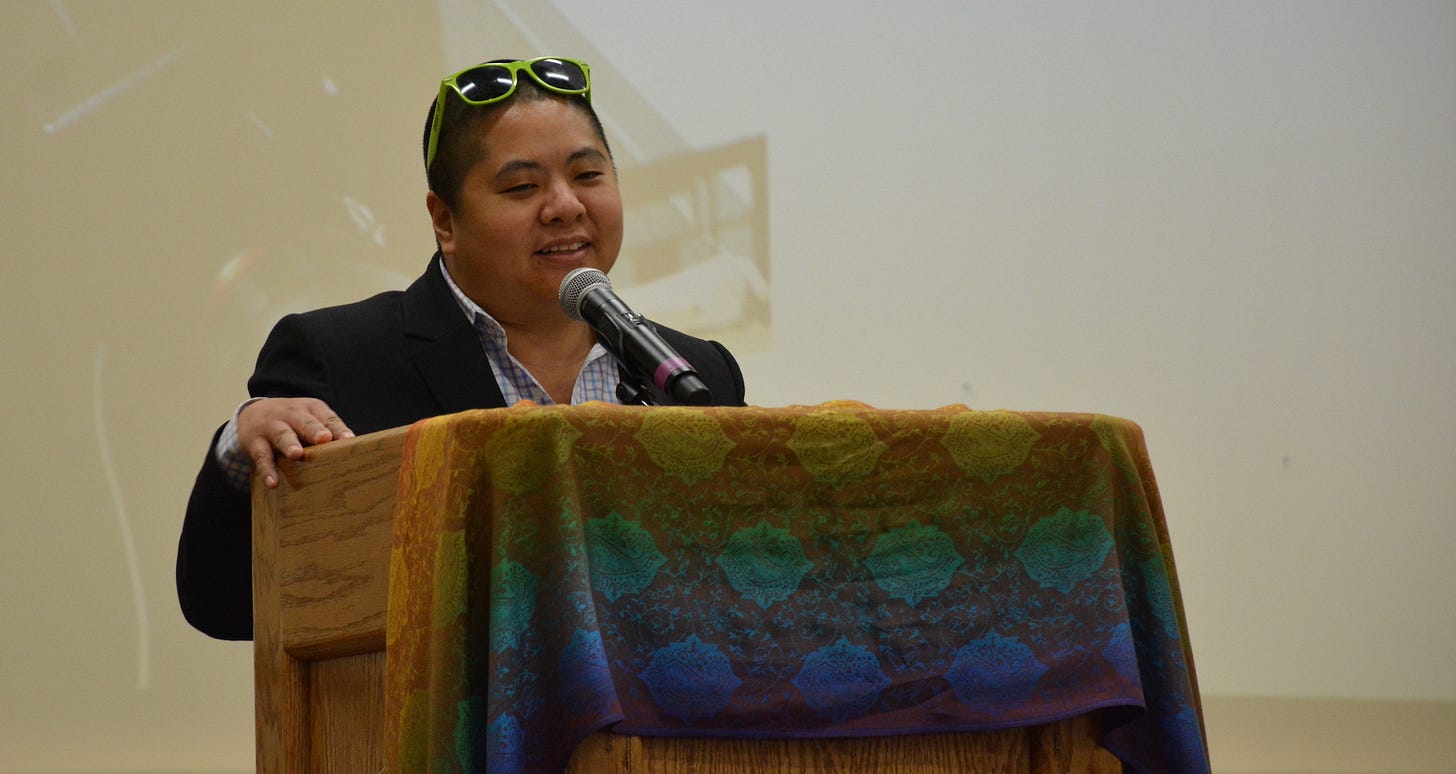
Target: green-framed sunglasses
491, 82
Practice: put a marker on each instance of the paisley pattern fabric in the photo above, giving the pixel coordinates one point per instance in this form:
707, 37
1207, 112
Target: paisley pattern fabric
914, 562
690, 680
841, 681
1064, 550
764, 563
623, 556
830, 570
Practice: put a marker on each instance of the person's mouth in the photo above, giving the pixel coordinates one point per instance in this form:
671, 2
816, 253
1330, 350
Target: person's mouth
564, 249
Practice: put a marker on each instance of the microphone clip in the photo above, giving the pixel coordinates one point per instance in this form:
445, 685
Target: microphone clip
633, 391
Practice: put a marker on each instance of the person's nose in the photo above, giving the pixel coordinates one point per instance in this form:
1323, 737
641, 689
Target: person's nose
562, 204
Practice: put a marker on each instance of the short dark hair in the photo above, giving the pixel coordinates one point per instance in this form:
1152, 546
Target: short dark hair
461, 145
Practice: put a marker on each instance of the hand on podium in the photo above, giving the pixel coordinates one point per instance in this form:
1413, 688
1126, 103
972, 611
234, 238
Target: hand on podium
274, 426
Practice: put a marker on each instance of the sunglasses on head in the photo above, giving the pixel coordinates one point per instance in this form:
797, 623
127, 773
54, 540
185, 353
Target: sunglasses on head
492, 82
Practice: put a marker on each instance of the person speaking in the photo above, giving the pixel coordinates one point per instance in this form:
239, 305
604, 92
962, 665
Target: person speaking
522, 192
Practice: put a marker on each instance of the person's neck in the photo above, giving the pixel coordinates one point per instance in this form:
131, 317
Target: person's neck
552, 353
562, 341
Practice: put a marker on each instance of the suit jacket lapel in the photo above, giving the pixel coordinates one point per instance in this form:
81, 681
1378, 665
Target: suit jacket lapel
445, 348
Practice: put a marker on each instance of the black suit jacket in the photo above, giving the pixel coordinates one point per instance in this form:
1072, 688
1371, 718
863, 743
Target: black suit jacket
384, 362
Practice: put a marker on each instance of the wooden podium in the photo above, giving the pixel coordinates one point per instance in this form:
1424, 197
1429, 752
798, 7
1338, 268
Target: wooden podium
321, 555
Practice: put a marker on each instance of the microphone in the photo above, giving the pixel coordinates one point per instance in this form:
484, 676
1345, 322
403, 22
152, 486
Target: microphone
586, 295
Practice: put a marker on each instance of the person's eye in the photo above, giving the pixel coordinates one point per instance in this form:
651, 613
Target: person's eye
591, 174
519, 188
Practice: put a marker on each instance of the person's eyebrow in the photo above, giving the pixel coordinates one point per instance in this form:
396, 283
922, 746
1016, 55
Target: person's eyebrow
514, 167
526, 165
587, 152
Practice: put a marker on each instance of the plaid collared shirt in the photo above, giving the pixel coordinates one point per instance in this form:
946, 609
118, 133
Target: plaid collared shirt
597, 380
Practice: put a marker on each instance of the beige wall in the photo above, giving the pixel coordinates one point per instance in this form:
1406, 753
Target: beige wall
1230, 223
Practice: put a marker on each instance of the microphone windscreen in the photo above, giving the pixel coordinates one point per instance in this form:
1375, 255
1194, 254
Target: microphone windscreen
574, 287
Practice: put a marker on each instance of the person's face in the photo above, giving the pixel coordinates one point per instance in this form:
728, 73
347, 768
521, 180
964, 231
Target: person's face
543, 201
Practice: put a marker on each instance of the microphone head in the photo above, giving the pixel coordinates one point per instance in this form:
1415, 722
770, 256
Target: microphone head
574, 287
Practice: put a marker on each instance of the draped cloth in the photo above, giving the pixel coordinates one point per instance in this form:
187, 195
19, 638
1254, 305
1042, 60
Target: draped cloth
830, 570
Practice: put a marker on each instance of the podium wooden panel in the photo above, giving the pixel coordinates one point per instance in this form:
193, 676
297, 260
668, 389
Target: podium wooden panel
321, 552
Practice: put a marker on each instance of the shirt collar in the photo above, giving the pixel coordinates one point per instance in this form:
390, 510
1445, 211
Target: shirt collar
473, 311
482, 321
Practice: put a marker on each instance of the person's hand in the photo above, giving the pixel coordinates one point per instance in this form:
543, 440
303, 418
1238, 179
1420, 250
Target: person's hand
284, 426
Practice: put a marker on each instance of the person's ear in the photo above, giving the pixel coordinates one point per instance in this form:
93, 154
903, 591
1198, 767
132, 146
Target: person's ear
443, 222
